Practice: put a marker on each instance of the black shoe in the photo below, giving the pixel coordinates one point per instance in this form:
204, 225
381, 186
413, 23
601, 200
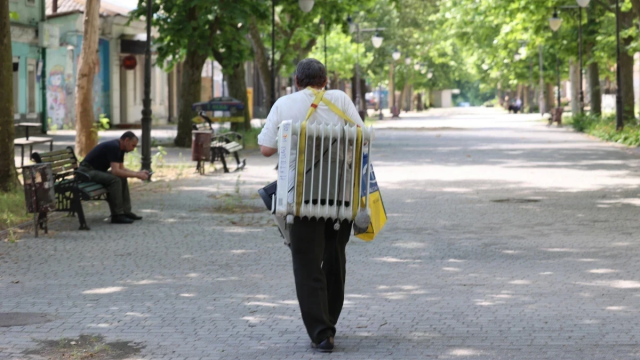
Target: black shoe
121, 219
133, 216
325, 346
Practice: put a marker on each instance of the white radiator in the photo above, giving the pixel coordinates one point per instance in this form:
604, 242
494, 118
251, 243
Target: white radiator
326, 182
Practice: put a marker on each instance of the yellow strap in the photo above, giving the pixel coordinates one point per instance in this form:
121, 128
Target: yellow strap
302, 149
332, 106
302, 141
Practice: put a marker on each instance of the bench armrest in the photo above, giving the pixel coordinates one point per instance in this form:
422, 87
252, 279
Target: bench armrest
82, 176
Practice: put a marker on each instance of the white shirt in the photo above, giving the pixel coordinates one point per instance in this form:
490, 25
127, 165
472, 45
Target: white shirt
295, 107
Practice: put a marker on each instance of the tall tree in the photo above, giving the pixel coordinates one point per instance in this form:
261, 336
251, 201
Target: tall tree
86, 138
187, 33
296, 33
8, 175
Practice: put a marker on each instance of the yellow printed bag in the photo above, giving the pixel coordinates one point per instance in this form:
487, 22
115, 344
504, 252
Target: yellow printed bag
376, 206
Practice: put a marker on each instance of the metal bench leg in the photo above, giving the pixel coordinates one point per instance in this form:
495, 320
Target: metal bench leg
77, 207
224, 163
235, 155
51, 145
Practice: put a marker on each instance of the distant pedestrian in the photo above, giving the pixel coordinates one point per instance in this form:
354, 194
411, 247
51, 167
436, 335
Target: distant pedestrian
318, 250
110, 155
516, 106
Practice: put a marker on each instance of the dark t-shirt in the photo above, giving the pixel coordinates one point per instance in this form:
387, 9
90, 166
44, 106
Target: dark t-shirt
101, 157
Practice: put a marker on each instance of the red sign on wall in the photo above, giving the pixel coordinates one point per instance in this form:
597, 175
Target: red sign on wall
129, 62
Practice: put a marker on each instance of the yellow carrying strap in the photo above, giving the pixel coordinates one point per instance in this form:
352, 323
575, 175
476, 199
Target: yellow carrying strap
331, 106
302, 149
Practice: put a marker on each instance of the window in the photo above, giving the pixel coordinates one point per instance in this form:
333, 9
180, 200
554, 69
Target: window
31, 88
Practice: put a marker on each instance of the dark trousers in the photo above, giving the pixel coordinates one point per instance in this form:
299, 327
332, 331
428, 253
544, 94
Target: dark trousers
118, 197
319, 262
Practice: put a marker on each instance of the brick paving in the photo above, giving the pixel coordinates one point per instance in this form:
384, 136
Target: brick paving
506, 240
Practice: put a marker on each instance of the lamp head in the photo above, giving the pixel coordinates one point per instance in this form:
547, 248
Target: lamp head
306, 5
555, 21
396, 55
376, 40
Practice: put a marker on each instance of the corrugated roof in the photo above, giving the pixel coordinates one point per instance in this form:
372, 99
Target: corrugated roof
67, 6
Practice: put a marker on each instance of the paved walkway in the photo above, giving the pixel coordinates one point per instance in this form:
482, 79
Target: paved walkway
506, 240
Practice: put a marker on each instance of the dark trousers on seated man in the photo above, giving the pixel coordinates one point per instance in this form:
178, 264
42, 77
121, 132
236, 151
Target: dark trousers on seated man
319, 268
118, 197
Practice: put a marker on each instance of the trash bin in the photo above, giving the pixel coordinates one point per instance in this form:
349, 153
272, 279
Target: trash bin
200, 148
39, 193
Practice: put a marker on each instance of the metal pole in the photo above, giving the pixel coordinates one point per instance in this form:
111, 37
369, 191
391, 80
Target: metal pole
393, 96
541, 99
358, 69
531, 91
619, 119
213, 81
558, 78
273, 53
580, 51
146, 103
380, 102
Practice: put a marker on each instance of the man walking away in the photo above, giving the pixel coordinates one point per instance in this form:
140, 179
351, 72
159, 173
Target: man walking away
110, 154
318, 250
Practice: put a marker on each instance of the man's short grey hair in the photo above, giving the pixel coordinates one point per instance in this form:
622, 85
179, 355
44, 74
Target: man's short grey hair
311, 72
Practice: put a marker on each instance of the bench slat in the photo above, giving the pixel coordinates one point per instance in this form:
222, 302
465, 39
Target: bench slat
54, 153
56, 157
89, 186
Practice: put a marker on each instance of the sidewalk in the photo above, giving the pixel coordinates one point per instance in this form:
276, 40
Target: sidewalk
506, 240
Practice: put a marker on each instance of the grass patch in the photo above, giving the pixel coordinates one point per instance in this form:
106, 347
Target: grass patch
605, 129
85, 347
13, 210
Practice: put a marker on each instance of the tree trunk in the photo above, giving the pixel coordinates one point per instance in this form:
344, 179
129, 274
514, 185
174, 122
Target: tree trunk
190, 94
526, 103
86, 135
574, 78
238, 90
593, 71
541, 95
593, 76
262, 60
8, 174
550, 96
626, 70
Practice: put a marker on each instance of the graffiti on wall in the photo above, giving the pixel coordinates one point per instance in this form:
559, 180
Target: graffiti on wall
56, 104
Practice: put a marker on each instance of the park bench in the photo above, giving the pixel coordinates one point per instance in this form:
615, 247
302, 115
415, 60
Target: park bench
71, 185
556, 116
222, 144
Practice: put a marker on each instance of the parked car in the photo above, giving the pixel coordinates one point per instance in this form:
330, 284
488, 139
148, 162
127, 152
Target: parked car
233, 106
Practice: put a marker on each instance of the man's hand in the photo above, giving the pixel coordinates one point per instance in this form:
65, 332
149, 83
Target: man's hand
142, 175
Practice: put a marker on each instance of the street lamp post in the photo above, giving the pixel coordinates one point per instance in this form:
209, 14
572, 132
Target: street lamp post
146, 102
394, 109
305, 6
555, 23
619, 119
376, 40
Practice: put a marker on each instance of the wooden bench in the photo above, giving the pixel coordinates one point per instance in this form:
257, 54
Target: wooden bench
71, 185
222, 144
556, 116
30, 141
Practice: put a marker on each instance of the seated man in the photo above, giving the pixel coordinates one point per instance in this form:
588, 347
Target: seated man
110, 154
